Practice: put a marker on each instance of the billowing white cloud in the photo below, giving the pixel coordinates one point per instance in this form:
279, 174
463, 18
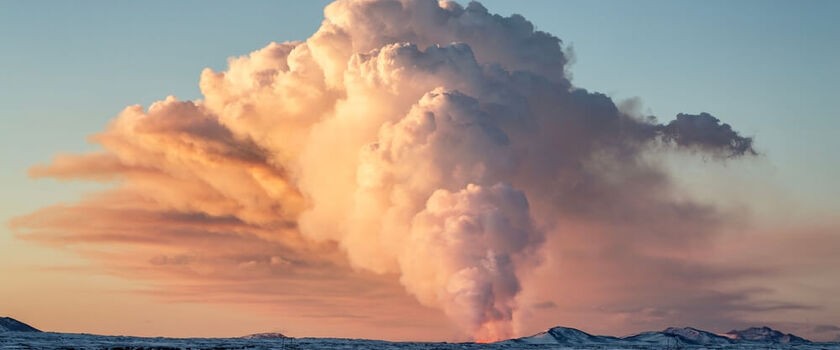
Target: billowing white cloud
440, 143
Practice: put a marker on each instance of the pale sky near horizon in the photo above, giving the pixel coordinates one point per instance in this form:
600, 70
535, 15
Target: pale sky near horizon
768, 68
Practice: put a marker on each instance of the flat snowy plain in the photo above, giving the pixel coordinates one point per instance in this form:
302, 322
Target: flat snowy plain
64, 341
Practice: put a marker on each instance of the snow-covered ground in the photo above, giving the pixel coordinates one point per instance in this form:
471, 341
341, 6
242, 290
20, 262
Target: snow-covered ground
55, 341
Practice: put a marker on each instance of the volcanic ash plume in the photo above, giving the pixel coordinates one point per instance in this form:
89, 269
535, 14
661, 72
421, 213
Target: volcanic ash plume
438, 142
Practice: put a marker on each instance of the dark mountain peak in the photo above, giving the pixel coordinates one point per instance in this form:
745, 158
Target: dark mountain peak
272, 335
567, 330
766, 335
576, 336
8, 324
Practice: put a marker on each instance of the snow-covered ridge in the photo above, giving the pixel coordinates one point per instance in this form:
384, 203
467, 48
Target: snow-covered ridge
565, 335
684, 335
767, 335
673, 336
18, 335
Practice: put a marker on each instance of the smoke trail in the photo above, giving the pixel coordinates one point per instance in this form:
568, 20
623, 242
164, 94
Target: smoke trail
427, 139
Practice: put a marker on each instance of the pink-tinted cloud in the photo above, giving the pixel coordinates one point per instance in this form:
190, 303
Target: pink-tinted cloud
419, 143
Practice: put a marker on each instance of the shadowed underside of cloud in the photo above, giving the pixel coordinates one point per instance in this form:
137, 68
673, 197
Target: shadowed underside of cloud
705, 131
423, 142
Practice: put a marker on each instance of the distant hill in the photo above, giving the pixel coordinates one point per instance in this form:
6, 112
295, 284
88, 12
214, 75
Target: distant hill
565, 336
698, 336
684, 335
766, 335
274, 335
672, 336
8, 324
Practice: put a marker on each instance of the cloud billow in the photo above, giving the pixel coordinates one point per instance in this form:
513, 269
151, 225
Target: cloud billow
423, 139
